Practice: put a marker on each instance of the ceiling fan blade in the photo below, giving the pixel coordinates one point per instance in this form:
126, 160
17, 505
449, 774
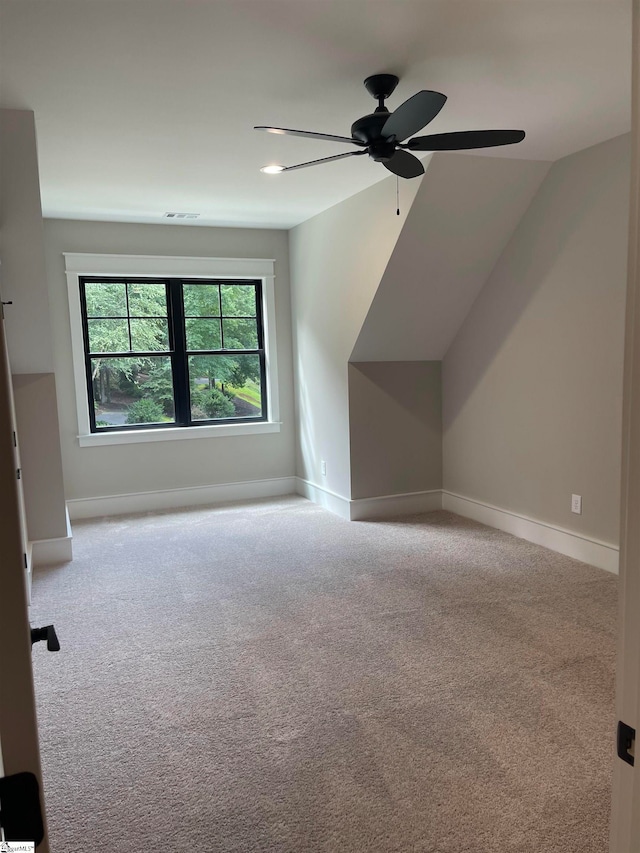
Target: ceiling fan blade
413, 115
325, 160
285, 131
464, 139
405, 165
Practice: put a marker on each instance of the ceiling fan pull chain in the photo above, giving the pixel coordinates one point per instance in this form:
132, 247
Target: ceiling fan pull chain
397, 196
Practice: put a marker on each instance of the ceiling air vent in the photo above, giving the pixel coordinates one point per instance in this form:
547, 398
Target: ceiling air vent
181, 215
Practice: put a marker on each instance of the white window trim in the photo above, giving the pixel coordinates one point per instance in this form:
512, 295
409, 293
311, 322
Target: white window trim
154, 266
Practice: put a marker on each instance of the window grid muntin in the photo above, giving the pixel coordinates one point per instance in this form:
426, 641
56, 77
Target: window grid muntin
126, 293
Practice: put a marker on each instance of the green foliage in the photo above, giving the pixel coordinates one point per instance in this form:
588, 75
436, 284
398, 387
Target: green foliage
201, 300
211, 311
159, 387
238, 300
106, 299
109, 330
246, 367
107, 317
228, 306
145, 411
250, 393
198, 414
226, 369
213, 403
127, 382
147, 299
109, 299
217, 300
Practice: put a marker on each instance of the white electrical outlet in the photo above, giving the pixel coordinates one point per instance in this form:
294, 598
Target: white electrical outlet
323, 468
576, 504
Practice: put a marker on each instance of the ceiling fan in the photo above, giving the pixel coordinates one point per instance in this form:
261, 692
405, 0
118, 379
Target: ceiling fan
382, 134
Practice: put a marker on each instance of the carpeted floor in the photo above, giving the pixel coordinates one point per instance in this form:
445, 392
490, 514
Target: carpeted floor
269, 677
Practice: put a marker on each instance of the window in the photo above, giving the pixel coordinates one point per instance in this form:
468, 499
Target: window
167, 356
175, 352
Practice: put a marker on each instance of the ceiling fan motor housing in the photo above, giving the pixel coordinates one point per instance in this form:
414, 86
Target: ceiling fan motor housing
382, 151
368, 129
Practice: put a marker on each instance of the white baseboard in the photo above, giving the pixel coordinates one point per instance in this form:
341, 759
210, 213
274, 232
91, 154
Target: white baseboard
46, 552
323, 497
29, 572
601, 554
387, 506
176, 498
584, 548
359, 509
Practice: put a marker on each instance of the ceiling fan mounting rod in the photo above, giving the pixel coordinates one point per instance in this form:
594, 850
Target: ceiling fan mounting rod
381, 86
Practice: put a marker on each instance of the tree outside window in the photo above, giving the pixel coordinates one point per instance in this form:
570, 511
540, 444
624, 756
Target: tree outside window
173, 352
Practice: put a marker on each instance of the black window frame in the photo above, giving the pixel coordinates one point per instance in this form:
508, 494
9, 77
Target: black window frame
178, 352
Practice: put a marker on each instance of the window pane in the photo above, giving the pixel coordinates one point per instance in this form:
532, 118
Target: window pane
149, 335
201, 300
223, 386
203, 334
240, 334
238, 300
147, 300
105, 300
132, 391
108, 336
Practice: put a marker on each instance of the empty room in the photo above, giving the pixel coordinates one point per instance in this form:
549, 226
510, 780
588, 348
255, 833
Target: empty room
319, 469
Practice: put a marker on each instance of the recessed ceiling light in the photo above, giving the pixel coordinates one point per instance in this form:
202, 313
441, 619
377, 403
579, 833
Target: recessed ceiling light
272, 170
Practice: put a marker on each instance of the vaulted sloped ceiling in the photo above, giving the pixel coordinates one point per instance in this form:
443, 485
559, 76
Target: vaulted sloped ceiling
463, 215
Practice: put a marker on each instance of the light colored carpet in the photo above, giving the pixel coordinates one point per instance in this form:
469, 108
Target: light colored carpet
269, 677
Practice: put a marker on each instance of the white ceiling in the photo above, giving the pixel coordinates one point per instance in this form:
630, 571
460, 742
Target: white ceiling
147, 106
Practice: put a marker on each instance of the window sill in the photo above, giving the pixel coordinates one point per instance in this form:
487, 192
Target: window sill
177, 434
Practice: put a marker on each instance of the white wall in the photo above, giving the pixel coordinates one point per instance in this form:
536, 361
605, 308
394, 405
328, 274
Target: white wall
532, 383
22, 273
29, 338
464, 213
337, 261
43, 483
125, 469
395, 425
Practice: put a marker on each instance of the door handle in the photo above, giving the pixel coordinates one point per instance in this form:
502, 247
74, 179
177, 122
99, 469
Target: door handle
47, 633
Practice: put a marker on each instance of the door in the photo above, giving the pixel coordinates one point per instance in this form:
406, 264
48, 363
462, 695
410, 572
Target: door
19, 747
625, 813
